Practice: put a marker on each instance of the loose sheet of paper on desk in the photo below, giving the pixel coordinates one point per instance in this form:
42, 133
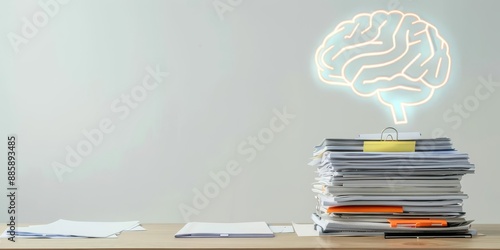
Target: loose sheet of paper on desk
225, 230
75, 229
305, 229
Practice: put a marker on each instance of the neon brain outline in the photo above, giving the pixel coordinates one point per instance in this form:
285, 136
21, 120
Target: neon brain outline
395, 56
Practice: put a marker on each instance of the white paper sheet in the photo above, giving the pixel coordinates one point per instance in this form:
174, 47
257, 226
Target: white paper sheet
305, 229
281, 229
75, 229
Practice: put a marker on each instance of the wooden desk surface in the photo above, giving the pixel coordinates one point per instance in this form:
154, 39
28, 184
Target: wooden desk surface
161, 236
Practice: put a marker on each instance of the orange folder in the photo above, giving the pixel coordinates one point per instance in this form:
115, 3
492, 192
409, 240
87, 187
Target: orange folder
365, 209
417, 223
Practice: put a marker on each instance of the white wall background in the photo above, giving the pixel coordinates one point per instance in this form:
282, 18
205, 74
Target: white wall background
227, 73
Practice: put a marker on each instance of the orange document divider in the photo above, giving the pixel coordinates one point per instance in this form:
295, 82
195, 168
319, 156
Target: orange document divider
417, 223
365, 209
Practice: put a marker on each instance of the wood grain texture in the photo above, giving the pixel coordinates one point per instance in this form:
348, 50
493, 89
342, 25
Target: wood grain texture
161, 236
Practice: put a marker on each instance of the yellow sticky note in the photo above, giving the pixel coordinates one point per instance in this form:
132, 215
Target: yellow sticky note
389, 146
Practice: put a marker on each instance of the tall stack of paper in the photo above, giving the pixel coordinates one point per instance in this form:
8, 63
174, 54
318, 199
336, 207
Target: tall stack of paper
367, 187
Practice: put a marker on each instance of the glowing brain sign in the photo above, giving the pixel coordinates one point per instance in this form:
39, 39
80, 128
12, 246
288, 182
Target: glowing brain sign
395, 56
